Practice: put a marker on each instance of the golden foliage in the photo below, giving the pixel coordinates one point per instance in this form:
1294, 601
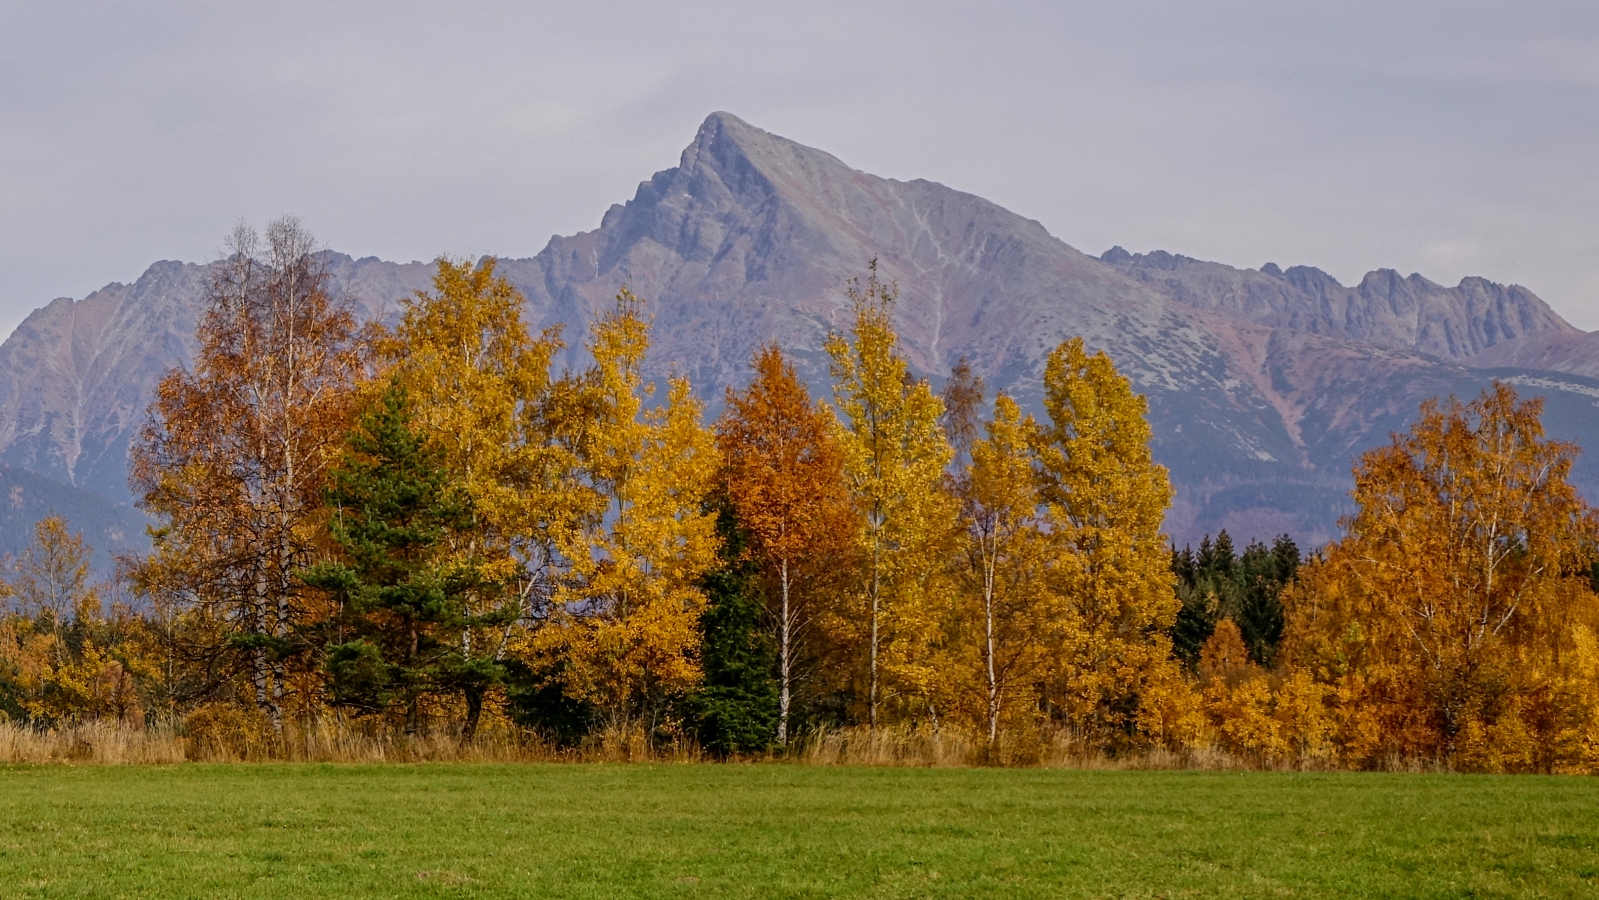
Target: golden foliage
1007, 613
894, 459
625, 613
1106, 498
784, 474
59, 652
1454, 619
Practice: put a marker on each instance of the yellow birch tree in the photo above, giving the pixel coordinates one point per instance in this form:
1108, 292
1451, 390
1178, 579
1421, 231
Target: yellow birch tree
1107, 499
1007, 607
895, 454
627, 609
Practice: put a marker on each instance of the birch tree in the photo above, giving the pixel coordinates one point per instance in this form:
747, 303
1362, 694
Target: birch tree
1106, 498
785, 477
233, 457
1002, 562
1457, 616
895, 454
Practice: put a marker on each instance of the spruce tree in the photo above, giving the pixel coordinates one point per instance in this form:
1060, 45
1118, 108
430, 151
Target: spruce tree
736, 706
403, 604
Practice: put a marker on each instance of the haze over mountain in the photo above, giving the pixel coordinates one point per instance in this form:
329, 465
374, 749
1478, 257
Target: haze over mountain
1262, 383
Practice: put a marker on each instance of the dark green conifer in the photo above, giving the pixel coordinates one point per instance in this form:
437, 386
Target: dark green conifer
735, 708
403, 601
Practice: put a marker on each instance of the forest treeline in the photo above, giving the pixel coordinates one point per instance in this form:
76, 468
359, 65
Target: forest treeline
431, 529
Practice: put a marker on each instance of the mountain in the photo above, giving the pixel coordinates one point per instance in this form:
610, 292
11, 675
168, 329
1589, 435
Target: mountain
110, 528
1555, 351
1262, 383
1385, 309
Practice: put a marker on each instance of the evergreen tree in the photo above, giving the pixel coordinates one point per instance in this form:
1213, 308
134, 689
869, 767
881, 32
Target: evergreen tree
403, 603
1262, 572
1216, 583
736, 706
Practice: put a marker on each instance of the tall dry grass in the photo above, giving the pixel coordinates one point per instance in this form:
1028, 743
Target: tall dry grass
117, 743
227, 738
1053, 749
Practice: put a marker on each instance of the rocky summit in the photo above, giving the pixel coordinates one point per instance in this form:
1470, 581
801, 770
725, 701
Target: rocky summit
1263, 383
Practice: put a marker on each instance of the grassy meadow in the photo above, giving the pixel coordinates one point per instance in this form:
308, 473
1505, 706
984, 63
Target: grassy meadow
637, 830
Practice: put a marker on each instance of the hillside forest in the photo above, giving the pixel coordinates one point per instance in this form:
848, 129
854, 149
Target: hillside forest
455, 526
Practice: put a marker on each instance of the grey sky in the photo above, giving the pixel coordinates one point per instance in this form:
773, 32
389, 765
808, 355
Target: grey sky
1449, 138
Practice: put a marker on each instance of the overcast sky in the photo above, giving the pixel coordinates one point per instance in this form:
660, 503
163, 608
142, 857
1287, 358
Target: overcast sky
1449, 138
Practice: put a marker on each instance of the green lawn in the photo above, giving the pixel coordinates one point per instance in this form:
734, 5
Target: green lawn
785, 831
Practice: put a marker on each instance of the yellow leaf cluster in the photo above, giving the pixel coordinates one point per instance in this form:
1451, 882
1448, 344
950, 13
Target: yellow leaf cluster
895, 454
1106, 499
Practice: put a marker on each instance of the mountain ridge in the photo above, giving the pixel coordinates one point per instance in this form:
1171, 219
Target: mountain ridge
1262, 382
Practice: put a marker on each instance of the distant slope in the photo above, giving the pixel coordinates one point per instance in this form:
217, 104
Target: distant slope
1385, 309
1573, 354
1262, 384
109, 528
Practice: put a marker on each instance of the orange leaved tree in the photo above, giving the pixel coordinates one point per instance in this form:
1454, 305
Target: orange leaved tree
1456, 619
233, 458
785, 478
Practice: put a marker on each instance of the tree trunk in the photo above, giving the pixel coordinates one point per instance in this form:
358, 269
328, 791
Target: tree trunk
871, 691
988, 628
474, 711
783, 664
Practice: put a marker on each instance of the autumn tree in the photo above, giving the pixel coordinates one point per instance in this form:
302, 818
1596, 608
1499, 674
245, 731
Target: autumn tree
1107, 499
233, 457
625, 615
1456, 617
60, 654
785, 477
895, 454
1003, 563
479, 386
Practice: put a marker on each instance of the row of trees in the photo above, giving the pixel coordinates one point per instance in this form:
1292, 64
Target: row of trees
432, 527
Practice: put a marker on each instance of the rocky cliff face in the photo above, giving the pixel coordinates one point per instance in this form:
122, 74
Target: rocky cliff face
1262, 384
1385, 309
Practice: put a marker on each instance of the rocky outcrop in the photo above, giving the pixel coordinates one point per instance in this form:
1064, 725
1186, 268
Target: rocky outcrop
1262, 384
1385, 309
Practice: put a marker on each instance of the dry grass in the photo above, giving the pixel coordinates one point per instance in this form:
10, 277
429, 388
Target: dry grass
91, 742
116, 743
226, 736
956, 748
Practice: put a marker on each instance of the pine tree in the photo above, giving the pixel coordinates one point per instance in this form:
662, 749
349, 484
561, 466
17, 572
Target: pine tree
737, 705
404, 600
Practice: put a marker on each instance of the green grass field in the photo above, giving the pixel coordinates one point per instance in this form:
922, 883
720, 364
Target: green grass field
785, 831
